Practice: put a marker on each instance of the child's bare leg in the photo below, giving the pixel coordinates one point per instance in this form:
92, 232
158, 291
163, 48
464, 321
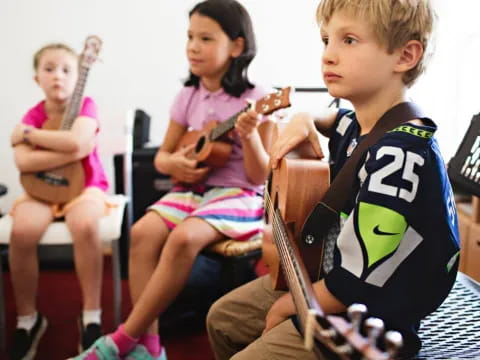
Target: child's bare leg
82, 221
147, 238
23, 256
170, 275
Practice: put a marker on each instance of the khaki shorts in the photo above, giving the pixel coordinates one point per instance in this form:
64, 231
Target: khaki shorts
59, 210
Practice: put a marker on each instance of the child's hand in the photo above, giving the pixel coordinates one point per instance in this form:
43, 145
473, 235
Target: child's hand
18, 134
300, 128
184, 169
85, 150
279, 312
246, 124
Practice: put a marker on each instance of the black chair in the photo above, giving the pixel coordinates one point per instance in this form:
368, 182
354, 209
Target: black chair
453, 331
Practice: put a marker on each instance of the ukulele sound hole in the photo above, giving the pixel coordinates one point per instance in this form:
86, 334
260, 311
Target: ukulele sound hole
200, 144
52, 179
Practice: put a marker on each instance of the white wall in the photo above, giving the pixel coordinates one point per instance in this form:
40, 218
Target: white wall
143, 61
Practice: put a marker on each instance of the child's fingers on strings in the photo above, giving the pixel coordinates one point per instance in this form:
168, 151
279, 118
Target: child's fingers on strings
186, 149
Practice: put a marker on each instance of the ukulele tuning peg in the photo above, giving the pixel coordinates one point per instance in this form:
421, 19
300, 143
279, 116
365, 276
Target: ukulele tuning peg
356, 312
374, 327
393, 343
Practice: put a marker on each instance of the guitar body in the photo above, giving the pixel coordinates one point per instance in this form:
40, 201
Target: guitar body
211, 153
56, 186
296, 186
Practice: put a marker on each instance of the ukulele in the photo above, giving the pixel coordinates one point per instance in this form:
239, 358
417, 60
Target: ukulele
212, 147
297, 184
329, 336
64, 183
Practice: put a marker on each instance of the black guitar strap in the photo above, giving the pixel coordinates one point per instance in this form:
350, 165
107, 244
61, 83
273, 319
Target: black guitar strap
326, 212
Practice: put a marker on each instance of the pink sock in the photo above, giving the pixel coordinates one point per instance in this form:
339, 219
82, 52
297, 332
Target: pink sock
124, 342
91, 356
151, 343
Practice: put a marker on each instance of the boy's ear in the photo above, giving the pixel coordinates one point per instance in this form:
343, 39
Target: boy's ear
409, 56
238, 47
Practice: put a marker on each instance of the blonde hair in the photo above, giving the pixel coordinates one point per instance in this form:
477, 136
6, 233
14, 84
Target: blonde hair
394, 22
53, 46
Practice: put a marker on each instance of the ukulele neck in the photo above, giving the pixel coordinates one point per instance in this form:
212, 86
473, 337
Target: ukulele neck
73, 107
226, 126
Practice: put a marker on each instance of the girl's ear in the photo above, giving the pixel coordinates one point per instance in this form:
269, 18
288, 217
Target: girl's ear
409, 56
35, 77
238, 47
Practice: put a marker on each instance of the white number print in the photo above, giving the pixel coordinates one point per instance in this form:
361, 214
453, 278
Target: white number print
408, 163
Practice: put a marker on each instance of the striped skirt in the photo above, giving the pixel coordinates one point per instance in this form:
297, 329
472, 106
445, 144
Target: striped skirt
235, 212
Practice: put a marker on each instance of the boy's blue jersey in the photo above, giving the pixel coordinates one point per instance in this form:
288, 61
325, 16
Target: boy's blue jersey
398, 248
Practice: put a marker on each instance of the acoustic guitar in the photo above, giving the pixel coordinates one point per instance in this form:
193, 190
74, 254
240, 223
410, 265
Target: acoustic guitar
62, 184
297, 184
212, 146
329, 336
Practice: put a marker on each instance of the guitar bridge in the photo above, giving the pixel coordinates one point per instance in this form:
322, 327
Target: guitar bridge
52, 179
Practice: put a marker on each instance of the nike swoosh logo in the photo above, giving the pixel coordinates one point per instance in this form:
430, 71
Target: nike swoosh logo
377, 231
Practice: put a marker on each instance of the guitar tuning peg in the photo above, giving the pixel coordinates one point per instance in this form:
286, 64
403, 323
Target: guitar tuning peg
356, 312
374, 327
393, 343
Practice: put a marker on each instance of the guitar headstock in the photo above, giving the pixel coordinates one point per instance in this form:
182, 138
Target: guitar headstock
343, 340
90, 52
274, 101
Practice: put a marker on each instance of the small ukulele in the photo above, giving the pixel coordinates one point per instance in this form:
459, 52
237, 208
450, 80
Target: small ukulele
62, 184
212, 147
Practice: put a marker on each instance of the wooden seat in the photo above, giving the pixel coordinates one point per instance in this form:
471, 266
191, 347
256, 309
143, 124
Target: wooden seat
230, 247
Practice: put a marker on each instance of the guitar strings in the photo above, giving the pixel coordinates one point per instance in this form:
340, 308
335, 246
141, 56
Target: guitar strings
291, 272
296, 279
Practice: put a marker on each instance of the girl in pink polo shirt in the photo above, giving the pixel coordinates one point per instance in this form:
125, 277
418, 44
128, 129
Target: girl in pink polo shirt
208, 204
37, 149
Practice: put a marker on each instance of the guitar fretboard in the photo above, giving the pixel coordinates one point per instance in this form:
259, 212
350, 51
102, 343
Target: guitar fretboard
292, 269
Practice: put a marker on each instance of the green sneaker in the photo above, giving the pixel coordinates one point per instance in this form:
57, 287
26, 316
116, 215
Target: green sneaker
140, 352
102, 349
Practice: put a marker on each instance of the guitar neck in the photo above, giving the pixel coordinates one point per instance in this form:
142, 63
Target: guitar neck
336, 338
226, 126
295, 272
73, 107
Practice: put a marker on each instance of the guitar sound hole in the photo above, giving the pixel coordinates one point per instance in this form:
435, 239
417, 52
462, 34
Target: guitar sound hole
200, 144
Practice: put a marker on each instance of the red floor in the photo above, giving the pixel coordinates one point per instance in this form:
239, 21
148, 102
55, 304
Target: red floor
59, 301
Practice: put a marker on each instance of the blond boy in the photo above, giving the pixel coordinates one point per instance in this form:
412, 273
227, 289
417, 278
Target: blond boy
397, 251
